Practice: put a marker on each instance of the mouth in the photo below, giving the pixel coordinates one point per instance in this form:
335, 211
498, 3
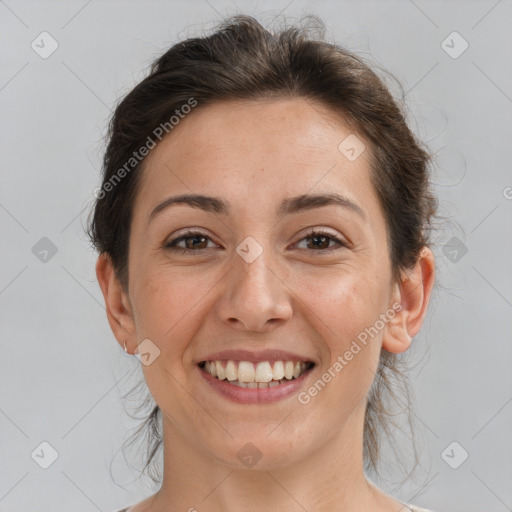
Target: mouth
260, 375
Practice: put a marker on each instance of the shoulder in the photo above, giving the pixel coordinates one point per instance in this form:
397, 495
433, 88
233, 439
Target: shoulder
142, 506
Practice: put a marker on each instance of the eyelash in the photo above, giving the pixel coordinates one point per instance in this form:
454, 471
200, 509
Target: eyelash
171, 245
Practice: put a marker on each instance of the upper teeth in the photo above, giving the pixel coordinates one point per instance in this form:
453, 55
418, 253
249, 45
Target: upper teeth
245, 371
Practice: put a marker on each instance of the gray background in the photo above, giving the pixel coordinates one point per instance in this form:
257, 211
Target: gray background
62, 372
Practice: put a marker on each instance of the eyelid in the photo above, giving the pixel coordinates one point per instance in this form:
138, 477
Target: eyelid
186, 233
310, 232
324, 231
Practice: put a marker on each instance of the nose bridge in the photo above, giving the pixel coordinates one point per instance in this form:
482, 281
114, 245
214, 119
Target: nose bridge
255, 295
252, 274
252, 265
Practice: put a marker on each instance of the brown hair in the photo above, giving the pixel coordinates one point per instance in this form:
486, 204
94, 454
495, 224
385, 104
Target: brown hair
243, 60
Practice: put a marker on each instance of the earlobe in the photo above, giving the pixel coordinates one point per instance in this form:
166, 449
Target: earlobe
119, 314
413, 293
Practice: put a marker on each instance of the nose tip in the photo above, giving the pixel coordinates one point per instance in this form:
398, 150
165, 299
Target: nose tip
252, 324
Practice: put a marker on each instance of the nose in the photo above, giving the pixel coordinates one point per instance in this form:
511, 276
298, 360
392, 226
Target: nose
256, 297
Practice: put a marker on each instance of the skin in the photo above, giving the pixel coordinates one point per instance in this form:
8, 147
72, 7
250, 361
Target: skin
294, 296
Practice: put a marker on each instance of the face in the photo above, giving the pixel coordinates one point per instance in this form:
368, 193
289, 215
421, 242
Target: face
269, 273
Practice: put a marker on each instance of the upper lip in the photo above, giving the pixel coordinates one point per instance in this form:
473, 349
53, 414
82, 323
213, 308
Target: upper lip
255, 357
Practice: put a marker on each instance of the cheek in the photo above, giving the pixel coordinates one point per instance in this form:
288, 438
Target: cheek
169, 304
344, 303
161, 300
169, 314
343, 312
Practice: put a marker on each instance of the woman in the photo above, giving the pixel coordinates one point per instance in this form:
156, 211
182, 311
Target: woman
263, 235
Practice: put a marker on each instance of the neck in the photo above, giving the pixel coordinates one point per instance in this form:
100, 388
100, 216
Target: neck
331, 477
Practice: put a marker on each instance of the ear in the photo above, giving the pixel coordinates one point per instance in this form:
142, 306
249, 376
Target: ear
117, 303
410, 301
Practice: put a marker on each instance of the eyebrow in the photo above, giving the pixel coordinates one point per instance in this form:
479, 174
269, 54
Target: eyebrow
288, 206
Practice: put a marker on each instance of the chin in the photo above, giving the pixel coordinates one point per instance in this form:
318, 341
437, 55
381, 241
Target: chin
257, 452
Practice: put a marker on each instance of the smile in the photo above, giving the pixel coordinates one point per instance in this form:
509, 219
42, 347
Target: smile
261, 375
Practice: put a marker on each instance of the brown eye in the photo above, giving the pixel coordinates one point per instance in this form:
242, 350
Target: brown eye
319, 241
195, 242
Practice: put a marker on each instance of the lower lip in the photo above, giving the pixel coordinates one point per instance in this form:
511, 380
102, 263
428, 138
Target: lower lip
254, 395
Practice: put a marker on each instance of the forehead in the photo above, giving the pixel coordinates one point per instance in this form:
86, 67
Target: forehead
254, 151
